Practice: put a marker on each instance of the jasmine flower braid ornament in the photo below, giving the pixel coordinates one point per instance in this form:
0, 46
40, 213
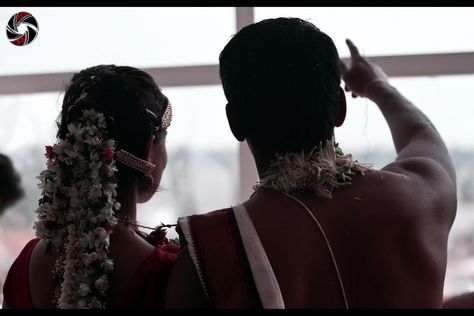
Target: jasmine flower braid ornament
76, 210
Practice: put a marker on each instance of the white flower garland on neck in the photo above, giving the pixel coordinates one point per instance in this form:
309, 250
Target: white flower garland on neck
320, 171
76, 211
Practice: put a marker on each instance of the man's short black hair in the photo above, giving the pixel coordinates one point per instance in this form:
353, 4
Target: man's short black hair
282, 78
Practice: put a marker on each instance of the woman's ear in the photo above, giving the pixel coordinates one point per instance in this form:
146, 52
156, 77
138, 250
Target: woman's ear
342, 108
149, 147
234, 123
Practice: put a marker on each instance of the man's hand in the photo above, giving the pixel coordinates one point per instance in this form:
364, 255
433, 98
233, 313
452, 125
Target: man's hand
361, 73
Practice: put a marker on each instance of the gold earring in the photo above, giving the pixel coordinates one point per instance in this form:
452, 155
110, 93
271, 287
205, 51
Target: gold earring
147, 180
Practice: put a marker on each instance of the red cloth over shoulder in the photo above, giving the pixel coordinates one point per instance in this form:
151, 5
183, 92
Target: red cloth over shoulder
148, 286
214, 243
146, 290
16, 291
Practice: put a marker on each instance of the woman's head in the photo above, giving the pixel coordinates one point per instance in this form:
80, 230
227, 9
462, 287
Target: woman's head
133, 106
10, 188
281, 79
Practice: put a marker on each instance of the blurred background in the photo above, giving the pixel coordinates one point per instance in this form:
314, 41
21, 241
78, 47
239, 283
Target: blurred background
427, 52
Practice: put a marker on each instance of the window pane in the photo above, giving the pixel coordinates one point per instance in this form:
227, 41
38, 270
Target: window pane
202, 171
70, 39
388, 31
446, 100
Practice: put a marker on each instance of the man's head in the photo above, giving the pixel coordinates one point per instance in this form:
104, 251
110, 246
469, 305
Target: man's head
281, 79
10, 188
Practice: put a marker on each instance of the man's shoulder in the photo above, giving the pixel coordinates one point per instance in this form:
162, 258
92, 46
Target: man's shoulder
383, 185
407, 198
403, 186
203, 221
423, 171
207, 215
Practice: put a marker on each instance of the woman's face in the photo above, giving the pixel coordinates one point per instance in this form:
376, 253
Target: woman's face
159, 157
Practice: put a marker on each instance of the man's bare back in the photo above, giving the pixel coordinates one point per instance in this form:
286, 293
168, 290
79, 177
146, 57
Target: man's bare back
386, 243
388, 230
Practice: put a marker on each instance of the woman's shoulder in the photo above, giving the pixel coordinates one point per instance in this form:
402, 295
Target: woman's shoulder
148, 285
16, 288
28, 248
23, 258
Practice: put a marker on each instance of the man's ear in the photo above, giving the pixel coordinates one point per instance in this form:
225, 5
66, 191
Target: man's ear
234, 123
342, 108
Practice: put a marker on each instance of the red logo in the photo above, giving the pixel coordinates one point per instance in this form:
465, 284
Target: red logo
22, 39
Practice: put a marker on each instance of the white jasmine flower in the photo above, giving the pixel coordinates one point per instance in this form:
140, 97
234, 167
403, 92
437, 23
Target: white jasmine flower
95, 191
117, 206
89, 258
108, 264
83, 289
102, 284
82, 303
96, 237
95, 303
94, 156
72, 129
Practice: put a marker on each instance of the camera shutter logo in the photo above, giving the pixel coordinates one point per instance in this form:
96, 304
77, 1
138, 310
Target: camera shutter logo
22, 39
